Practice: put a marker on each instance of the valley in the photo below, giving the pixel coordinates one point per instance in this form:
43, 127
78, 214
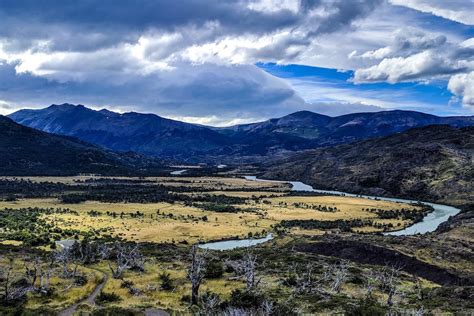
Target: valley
86, 230
164, 216
237, 158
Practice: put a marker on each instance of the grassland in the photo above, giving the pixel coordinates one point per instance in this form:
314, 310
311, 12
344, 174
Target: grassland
165, 230
260, 213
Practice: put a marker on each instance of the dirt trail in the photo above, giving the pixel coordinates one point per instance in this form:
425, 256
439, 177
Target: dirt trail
90, 300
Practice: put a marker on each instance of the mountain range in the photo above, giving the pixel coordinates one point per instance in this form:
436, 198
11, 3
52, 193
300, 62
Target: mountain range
27, 151
152, 135
430, 163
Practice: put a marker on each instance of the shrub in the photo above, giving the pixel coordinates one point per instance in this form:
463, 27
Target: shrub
166, 282
104, 297
246, 299
80, 280
367, 307
214, 269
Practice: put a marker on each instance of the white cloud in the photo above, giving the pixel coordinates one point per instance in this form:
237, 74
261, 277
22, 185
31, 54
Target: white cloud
424, 65
417, 56
463, 85
461, 11
405, 42
192, 63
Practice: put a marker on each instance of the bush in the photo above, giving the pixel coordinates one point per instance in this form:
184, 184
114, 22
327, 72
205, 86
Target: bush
104, 297
72, 199
246, 299
80, 280
166, 282
367, 307
186, 298
214, 269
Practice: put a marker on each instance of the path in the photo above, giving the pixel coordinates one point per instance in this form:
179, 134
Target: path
90, 300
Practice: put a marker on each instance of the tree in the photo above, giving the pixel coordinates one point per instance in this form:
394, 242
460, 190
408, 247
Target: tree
388, 279
196, 271
304, 281
339, 275
12, 291
210, 304
64, 257
122, 257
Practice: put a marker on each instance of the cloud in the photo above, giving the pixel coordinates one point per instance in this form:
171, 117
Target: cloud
193, 90
416, 56
405, 42
419, 66
456, 10
463, 85
184, 58
194, 59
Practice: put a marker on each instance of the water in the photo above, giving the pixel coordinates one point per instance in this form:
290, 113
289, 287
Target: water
430, 222
237, 243
177, 172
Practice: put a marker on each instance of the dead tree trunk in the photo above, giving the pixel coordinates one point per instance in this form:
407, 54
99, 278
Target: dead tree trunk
196, 272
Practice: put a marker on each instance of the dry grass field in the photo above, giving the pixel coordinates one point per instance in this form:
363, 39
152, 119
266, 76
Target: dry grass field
259, 209
185, 225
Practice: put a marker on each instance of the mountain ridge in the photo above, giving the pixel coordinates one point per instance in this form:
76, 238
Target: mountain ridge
154, 135
27, 151
433, 163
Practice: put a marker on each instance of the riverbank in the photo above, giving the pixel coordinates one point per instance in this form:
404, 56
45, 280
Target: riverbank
441, 213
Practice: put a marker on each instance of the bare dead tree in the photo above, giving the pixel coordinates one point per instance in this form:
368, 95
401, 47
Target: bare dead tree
235, 311
210, 304
250, 270
7, 274
247, 268
126, 257
32, 270
306, 282
420, 311
266, 308
388, 280
65, 257
371, 283
196, 271
339, 275
45, 276
10, 291
418, 288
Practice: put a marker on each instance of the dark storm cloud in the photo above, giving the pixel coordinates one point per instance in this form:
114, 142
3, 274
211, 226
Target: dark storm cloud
201, 90
87, 24
187, 57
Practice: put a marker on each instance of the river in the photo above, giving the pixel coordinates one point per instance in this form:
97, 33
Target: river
430, 222
178, 172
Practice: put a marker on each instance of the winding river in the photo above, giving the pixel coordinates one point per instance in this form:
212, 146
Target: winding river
440, 214
430, 222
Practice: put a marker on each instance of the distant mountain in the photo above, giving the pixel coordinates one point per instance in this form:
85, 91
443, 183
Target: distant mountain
431, 163
150, 134
303, 130
26, 151
142, 133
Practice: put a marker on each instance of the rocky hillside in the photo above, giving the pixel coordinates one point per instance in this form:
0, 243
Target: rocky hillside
431, 163
26, 151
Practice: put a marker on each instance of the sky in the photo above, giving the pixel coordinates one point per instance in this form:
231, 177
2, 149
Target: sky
237, 61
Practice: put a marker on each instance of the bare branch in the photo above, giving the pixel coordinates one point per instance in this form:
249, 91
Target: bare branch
196, 271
